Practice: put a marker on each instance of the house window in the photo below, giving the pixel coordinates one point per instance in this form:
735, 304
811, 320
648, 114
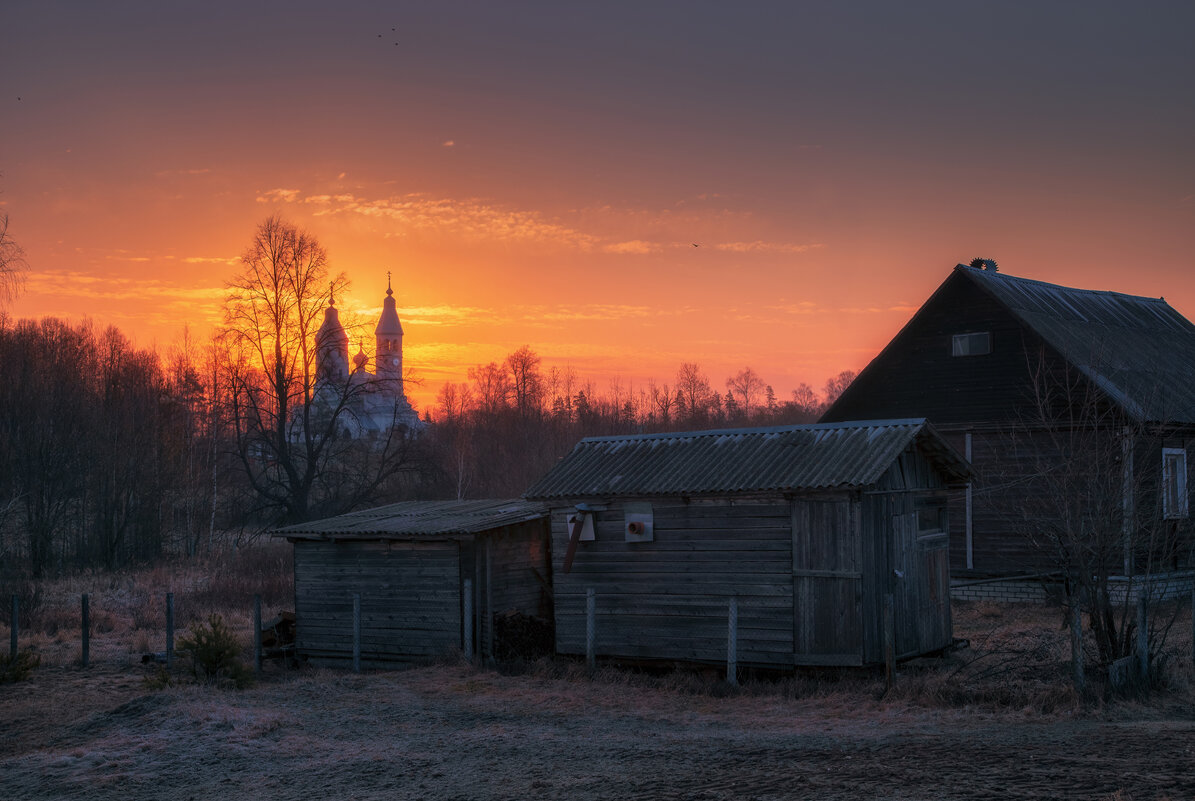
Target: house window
1174, 483
977, 344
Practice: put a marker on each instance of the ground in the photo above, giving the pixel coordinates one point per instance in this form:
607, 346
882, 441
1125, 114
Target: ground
453, 731
999, 719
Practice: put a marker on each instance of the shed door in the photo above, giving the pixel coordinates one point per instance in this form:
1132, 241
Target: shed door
920, 583
827, 584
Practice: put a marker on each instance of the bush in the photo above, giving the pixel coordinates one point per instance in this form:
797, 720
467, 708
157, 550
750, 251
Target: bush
20, 668
214, 653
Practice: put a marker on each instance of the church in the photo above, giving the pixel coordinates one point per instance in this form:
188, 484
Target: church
368, 403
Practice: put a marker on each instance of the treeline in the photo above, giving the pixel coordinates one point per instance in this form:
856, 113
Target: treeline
112, 454
104, 447
500, 431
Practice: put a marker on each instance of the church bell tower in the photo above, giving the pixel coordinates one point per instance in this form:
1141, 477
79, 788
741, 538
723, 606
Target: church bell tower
388, 334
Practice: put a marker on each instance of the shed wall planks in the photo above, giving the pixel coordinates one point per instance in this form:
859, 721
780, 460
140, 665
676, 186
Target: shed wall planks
667, 599
410, 599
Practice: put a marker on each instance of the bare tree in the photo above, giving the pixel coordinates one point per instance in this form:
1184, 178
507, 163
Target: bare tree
745, 388
491, 386
1085, 485
693, 386
805, 399
12, 264
297, 453
663, 401
527, 384
837, 385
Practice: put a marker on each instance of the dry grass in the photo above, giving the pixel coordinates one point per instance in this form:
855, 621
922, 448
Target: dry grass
128, 607
1018, 659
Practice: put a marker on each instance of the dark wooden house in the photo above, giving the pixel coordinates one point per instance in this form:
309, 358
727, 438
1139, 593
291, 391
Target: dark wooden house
1075, 408
806, 527
409, 562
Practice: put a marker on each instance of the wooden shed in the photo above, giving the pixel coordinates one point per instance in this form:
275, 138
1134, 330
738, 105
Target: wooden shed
806, 527
409, 563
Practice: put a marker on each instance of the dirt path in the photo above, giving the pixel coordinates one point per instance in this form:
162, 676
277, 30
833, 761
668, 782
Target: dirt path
455, 733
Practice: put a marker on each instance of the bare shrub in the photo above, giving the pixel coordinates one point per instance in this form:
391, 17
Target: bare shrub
29, 601
19, 668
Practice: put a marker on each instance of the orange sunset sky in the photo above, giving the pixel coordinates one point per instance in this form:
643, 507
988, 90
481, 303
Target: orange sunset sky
538, 173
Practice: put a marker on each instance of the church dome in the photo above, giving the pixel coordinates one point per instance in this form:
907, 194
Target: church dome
361, 359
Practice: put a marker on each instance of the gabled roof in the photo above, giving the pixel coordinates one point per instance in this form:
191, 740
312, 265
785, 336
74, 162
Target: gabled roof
783, 458
419, 518
1137, 350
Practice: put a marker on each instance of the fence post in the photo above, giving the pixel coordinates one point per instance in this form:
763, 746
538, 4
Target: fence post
1142, 638
467, 628
12, 630
1077, 644
590, 630
356, 632
1077, 667
169, 630
86, 630
732, 643
257, 634
889, 642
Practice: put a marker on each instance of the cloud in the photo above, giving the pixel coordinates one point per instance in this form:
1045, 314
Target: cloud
278, 196
81, 285
449, 143
472, 217
211, 260
760, 246
635, 246
193, 171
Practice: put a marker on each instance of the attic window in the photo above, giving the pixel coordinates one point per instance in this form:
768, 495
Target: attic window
977, 344
1174, 483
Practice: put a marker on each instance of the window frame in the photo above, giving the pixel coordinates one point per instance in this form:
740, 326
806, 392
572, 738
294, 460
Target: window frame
964, 345
1175, 505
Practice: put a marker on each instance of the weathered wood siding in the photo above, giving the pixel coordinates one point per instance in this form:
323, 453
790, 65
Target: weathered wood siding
410, 600
667, 599
521, 570
915, 375
827, 582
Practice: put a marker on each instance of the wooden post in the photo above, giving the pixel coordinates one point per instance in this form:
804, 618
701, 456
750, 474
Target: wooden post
86, 630
356, 632
1142, 638
257, 634
169, 630
467, 629
732, 643
889, 642
590, 630
14, 628
1077, 644
488, 620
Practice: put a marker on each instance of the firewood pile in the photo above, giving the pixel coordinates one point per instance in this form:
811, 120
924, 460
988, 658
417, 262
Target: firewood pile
278, 636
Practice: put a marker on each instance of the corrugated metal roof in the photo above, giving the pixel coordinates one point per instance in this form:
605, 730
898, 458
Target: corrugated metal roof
420, 518
1138, 350
740, 460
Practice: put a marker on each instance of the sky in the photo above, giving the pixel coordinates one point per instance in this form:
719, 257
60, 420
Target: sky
622, 186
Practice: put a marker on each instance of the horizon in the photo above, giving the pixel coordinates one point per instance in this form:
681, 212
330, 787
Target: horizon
621, 189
